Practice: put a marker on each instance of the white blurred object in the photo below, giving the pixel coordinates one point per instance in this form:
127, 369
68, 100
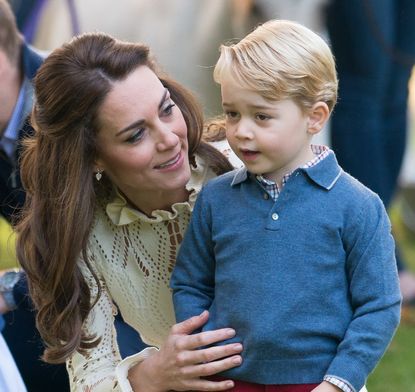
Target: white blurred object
10, 379
184, 35
306, 12
224, 147
407, 177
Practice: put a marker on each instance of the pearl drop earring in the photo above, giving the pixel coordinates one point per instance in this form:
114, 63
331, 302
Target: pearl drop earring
98, 174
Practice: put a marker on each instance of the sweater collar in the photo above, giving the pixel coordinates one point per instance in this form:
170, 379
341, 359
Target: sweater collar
32, 59
325, 173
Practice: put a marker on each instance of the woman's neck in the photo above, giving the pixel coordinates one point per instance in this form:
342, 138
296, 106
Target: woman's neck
147, 203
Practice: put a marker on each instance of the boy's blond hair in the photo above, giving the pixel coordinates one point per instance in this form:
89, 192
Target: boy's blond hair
281, 59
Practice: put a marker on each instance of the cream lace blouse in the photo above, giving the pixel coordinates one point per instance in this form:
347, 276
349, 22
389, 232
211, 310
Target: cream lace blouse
133, 256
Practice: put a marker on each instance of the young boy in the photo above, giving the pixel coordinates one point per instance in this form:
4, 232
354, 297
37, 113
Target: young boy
291, 251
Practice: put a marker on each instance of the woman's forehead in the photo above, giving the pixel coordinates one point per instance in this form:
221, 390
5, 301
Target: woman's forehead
137, 96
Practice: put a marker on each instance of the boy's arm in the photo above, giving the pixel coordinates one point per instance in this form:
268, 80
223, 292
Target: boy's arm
374, 294
193, 276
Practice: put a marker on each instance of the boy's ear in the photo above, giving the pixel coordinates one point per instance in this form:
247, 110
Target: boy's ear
318, 116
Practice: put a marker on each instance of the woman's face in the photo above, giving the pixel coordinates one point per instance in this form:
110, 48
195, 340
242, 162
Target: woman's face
142, 139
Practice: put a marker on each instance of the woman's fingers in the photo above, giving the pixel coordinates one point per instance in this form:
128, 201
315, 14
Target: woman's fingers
211, 368
205, 385
202, 339
186, 327
192, 357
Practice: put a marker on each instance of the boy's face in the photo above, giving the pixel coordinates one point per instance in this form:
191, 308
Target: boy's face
271, 138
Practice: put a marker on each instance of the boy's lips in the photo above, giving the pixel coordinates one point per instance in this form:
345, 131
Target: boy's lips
248, 154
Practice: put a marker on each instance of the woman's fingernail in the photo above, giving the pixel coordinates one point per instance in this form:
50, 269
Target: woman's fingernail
229, 384
237, 360
230, 332
237, 346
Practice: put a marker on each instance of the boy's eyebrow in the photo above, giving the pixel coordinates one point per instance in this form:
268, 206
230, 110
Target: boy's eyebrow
137, 123
270, 106
226, 104
259, 107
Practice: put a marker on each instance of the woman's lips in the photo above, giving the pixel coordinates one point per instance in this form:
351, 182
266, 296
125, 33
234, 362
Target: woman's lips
171, 164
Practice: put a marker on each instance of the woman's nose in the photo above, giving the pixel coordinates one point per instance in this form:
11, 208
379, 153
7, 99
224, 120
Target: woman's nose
166, 138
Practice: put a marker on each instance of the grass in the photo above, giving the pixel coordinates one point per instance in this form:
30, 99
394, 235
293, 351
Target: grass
396, 370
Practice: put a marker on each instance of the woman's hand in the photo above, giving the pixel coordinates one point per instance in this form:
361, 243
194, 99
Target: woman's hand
180, 364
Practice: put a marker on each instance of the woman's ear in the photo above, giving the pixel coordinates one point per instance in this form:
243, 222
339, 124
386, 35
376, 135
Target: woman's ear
98, 166
318, 116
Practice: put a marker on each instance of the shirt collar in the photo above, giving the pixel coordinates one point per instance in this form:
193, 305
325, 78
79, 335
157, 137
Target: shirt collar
325, 173
11, 133
240, 176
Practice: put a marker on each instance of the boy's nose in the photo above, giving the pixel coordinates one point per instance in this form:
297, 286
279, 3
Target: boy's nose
243, 130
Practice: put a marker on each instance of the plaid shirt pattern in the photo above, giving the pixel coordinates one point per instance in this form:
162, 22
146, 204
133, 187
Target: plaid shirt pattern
343, 385
271, 187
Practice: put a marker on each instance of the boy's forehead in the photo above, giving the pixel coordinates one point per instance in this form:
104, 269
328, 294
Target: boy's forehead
235, 94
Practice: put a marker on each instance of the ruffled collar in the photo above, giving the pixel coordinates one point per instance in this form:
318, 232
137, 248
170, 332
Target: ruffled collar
121, 213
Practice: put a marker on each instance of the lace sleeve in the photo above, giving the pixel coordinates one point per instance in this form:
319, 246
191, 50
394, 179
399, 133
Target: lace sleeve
95, 371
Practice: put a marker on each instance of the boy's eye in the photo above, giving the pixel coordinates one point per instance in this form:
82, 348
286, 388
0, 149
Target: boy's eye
136, 136
263, 117
231, 115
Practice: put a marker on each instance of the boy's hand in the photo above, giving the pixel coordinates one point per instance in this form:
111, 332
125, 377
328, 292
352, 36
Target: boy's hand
325, 386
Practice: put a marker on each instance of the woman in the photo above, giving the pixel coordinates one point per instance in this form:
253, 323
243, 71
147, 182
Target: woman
112, 174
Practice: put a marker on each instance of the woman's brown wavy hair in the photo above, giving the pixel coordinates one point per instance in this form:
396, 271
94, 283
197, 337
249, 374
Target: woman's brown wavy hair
57, 172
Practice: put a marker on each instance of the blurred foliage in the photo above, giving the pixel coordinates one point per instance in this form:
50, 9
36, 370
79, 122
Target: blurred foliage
396, 370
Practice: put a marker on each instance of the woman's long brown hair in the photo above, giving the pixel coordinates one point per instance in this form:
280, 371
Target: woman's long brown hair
57, 172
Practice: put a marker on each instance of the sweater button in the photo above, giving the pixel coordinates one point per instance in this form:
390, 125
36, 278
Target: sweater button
274, 216
266, 196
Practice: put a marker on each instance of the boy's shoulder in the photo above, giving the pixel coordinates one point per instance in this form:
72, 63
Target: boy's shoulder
352, 189
353, 185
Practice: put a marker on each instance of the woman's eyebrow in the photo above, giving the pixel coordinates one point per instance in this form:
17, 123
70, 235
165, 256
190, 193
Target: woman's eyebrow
140, 122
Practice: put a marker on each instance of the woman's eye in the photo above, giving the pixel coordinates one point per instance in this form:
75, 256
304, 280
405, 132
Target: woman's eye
136, 136
168, 109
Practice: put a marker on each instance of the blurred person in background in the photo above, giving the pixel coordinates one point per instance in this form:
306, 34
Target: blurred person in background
18, 65
374, 45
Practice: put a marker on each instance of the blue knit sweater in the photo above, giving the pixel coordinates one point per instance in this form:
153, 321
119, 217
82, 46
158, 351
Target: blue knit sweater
309, 282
